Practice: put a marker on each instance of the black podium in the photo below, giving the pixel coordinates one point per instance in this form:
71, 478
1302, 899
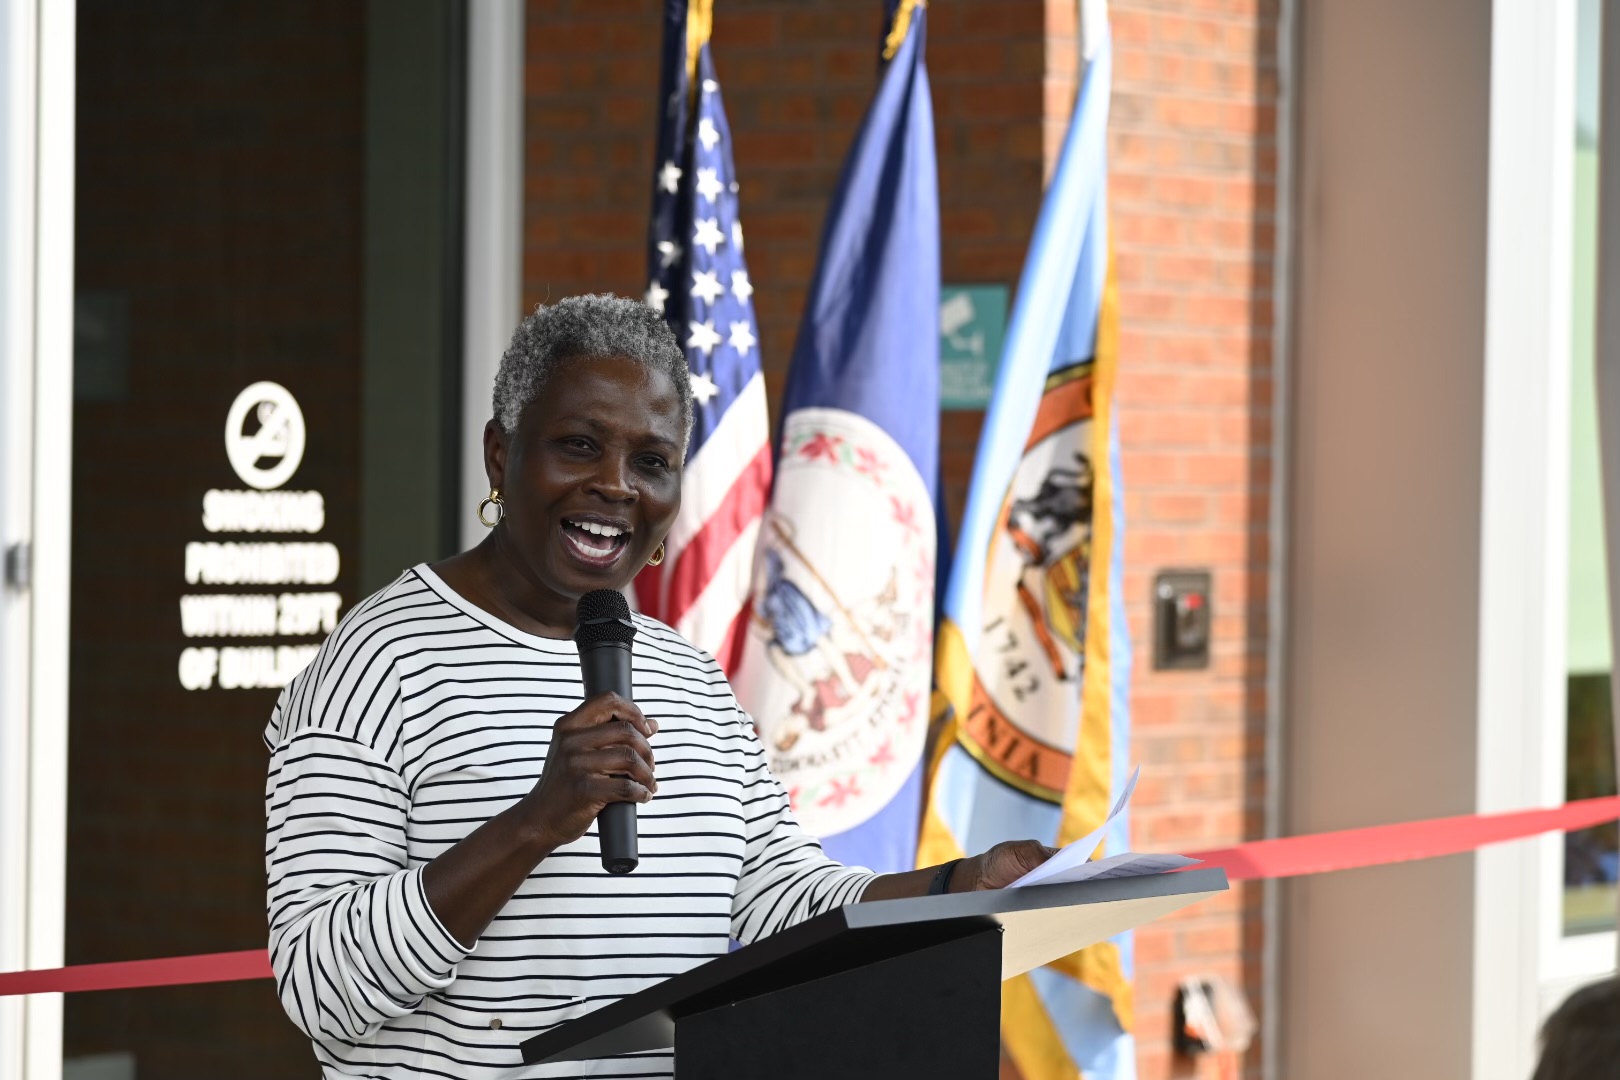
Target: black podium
886, 989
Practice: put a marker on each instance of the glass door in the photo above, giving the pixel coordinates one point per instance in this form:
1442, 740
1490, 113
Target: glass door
266, 429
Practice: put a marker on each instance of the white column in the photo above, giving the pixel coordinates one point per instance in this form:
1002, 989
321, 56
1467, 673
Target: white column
37, 46
494, 224
1524, 514
17, 149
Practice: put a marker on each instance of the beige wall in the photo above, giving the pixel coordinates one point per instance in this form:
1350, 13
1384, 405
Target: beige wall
1383, 526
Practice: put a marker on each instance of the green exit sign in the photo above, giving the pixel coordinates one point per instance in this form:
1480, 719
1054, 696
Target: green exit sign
972, 322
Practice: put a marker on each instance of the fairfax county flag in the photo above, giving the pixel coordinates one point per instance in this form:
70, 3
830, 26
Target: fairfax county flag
698, 279
1033, 662
837, 659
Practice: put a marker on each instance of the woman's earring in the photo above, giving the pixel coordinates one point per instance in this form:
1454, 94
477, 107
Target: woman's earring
493, 499
657, 556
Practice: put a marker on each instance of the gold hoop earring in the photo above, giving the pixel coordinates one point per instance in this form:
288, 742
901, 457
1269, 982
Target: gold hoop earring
493, 499
657, 556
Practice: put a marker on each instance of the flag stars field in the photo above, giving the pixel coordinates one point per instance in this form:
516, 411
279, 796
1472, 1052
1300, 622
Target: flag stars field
656, 296
706, 286
703, 389
669, 177
707, 235
704, 337
709, 185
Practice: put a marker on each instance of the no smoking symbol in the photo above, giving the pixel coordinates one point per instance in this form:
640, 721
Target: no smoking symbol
276, 438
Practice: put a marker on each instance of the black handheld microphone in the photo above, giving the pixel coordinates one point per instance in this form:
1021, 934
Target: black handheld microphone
604, 635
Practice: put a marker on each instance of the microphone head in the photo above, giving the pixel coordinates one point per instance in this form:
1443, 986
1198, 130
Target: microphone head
604, 616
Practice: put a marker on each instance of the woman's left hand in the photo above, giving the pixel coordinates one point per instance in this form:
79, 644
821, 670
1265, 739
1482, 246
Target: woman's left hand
1001, 865
995, 869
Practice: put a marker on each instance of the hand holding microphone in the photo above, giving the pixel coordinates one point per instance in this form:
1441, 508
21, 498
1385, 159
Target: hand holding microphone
599, 764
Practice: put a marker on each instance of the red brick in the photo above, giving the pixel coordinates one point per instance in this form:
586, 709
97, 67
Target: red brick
970, 221
849, 64
1151, 306
774, 148
1148, 470
1154, 945
788, 110
1169, 831
1218, 311
1216, 469
1200, 35
1060, 20
1153, 710
544, 37
988, 19
1191, 192
1130, 29
1222, 939
1206, 785
959, 61
736, 28
1131, 66
1230, 391
1024, 143
826, 23
1147, 230
1166, 429
992, 101
1178, 509
1130, 269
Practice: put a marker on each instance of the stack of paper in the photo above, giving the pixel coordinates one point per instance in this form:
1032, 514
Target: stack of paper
1074, 862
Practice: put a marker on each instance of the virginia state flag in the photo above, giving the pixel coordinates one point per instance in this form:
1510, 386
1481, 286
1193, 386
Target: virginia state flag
1033, 660
837, 658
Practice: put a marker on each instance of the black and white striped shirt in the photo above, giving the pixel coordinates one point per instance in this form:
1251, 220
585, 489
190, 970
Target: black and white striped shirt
422, 717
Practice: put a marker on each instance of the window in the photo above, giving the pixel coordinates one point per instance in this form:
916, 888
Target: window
1591, 856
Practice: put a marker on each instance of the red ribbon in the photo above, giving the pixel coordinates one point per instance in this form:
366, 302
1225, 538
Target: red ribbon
1292, 856
131, 974
1350, 849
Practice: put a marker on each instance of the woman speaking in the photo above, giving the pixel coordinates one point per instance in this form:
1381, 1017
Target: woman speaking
436, 892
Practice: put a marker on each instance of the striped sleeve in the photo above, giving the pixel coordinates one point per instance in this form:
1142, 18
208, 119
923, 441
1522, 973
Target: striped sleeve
353, 941
786, 877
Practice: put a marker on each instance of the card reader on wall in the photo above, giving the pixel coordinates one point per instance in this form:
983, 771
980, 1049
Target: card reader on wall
1181, 619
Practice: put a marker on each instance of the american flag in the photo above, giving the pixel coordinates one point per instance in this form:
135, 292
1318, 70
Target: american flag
698, 280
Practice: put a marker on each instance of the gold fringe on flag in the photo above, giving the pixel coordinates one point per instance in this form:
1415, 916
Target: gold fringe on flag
699, 25
902, 24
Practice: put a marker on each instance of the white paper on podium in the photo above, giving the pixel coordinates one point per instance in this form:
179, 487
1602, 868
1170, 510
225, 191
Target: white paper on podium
1074, 863
1125, 864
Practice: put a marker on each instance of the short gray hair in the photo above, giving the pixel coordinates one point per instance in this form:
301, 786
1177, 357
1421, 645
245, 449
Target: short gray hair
580, 327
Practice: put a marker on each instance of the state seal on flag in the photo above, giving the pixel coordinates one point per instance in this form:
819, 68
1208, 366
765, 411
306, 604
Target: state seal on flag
841, 631
1026, 701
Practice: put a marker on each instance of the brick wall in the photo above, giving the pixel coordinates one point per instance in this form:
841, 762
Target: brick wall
1192, 186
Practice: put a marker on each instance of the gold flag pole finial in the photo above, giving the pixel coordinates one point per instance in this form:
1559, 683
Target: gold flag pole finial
699, 25
902, 24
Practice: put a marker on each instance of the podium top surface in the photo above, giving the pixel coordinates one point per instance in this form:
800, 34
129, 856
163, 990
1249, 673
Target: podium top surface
1039, 923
